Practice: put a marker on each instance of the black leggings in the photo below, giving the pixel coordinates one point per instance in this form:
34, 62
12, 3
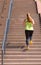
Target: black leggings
28, 35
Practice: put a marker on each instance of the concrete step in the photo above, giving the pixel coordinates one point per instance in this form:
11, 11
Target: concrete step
21, 45
1, 5
21, 49
22, 60
32, 63
19, 41
19, 5
5, 10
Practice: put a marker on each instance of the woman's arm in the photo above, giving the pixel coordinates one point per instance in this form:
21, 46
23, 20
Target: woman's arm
30, 19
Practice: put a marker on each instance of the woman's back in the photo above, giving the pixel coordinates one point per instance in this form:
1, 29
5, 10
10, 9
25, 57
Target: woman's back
28, 25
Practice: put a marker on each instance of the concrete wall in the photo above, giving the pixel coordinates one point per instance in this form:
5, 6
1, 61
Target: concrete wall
38, 5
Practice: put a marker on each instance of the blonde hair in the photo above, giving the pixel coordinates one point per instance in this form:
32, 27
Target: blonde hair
28, 16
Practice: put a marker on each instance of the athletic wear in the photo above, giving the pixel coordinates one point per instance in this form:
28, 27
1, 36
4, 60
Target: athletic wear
28, 25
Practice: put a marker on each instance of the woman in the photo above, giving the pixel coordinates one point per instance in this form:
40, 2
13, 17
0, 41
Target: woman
28, 22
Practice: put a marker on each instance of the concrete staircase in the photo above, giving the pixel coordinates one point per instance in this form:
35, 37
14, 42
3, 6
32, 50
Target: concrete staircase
15, 53
1, 5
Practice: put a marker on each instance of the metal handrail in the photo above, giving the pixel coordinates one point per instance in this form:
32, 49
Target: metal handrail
7, 24
6, 29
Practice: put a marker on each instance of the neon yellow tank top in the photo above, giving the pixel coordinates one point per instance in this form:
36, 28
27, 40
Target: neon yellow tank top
28, 26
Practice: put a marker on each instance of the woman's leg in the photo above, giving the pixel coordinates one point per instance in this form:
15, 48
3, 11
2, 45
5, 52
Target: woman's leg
27, 36
30, 36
